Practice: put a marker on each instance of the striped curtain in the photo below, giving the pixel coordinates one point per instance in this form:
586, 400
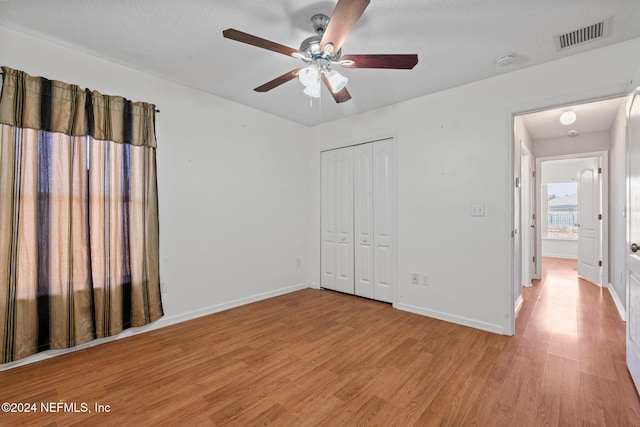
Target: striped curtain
79, 256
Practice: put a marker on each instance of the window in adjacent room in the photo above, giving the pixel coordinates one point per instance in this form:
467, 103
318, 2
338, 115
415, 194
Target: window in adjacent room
560, 205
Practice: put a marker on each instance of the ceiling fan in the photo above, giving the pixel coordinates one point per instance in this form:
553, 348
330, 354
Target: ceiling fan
324, 50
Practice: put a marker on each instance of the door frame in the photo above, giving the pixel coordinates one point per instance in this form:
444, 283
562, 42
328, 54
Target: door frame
511, 113
603, 161
527, 209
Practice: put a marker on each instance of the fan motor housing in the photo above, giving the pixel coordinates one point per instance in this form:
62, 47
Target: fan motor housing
310, 47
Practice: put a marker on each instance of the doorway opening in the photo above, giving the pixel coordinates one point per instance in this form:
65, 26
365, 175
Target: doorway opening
547, 216
572, 212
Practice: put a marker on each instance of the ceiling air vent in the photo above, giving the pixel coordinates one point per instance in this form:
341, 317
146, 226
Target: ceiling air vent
583, 35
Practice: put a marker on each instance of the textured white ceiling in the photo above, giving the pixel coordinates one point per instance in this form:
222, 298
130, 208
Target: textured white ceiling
590, 117
457, 42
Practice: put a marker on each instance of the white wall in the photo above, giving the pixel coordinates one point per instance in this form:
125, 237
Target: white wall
564, 145
559, 248
233, 182
563, 170
454, 149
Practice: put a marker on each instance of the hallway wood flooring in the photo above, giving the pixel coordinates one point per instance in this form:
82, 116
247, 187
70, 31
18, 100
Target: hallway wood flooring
319, 358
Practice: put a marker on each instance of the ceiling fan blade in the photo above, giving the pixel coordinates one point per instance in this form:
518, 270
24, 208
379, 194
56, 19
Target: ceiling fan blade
344, 18
342, 96
258, 42
398, 62
278, 81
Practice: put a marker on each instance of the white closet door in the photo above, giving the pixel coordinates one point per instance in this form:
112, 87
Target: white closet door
344, 220
328, 220
363, 215
384, 220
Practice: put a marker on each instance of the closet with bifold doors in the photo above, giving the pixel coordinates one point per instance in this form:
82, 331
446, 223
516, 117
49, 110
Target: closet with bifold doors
358, 220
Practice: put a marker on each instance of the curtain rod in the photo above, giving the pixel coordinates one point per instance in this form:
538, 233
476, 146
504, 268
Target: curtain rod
2, 74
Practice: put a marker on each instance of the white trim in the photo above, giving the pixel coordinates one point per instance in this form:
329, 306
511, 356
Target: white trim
160, 323
616, 300
561, 256
518, 305
509, 327
464, 321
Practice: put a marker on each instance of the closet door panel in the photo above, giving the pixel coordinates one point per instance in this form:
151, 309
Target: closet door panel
384, 220
328, 220
363, 219
344, 220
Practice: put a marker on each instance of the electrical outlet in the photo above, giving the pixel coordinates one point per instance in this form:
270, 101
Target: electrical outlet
477, 209
425, 280
163, 286
415, 278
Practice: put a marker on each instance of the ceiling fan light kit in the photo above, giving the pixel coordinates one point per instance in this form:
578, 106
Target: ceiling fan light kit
313, 90
324, 50
337, 81
309, 76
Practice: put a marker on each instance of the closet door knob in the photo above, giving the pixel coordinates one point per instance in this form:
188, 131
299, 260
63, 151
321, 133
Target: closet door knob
634, 248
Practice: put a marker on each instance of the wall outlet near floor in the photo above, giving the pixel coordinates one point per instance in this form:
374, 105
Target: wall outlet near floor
424, 280
415, 278
163, 286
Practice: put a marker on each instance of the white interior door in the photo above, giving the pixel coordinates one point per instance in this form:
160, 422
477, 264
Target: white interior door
344, 220
328, 220
633, 224
384, 220
589, 231
363, 224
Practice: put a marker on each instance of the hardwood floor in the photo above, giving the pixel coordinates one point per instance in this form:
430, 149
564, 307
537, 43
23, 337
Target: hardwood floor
323, 358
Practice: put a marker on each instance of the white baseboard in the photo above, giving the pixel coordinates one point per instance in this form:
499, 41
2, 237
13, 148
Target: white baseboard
160, 323
518, 305
489, 327
621, 308
561, 256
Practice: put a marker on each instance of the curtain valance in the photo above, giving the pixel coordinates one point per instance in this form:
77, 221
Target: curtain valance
54, 106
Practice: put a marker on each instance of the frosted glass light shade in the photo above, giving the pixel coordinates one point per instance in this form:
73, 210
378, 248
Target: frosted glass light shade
308, 76
313, 90
567, 118
337, 81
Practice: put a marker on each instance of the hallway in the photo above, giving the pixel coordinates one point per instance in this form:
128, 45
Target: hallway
572, 342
